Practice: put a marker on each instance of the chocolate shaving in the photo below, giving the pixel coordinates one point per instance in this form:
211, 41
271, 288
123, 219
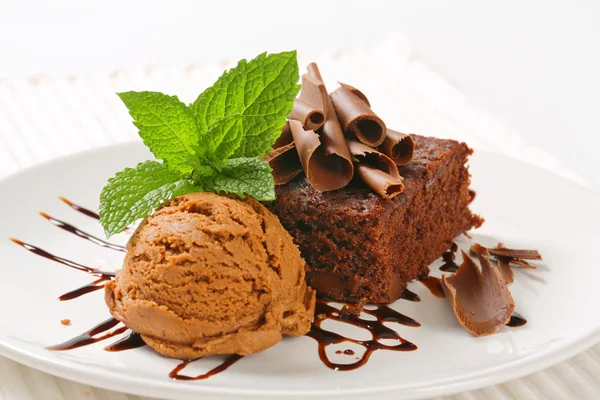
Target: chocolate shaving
325, 164
514, 253
310, 107
356, 116
285, 163
520, 263
504, 268
377, 170
398, 146
479, 298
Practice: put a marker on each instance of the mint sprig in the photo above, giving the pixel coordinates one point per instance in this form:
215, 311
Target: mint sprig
214, 144
247, 97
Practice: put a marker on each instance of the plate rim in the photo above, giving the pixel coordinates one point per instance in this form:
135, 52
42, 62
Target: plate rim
146, 386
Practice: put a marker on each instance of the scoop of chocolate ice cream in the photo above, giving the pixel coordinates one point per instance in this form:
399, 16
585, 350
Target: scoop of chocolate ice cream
208, 274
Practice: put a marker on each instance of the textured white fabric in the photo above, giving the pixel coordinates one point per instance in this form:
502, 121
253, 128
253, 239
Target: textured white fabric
43, 118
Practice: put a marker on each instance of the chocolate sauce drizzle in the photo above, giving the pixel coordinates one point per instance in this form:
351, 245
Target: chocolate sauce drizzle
89, 288
76, 231
449, 256
378, 330
89, 337
229, 361
129, 342
64, 261
87, 212
80, 209
410, 296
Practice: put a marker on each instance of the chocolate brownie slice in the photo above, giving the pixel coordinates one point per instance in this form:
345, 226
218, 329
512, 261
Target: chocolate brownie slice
361, 247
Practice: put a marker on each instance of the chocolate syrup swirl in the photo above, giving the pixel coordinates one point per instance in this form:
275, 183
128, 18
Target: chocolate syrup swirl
449, 256
378, 330
229, 361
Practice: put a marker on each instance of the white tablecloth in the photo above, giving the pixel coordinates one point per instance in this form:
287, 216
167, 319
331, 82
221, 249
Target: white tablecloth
46, 117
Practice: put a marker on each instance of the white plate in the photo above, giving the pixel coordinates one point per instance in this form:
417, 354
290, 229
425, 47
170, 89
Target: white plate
524, 207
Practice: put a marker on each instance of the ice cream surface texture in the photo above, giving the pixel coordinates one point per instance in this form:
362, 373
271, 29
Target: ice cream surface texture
208, 274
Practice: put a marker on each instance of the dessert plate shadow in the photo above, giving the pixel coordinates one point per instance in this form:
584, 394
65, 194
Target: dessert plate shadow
524, 207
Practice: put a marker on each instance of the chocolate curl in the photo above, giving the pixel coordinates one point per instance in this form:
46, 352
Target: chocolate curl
383, 184
314, 72
480, 299
332, 136
356, 115
398, 146
334, 141
285, 163
377, 170
357, 92
309, 108
325, 168
285, 138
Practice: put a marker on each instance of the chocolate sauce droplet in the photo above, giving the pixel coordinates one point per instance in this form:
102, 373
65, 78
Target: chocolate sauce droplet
516, 320
229, 361
449, 257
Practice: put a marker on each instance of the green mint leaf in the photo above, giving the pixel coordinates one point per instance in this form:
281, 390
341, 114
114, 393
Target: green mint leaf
241, 176
135, 192
241, 115
167, 126
229, 130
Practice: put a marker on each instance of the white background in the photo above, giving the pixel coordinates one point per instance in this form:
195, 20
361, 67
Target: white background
534, 64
